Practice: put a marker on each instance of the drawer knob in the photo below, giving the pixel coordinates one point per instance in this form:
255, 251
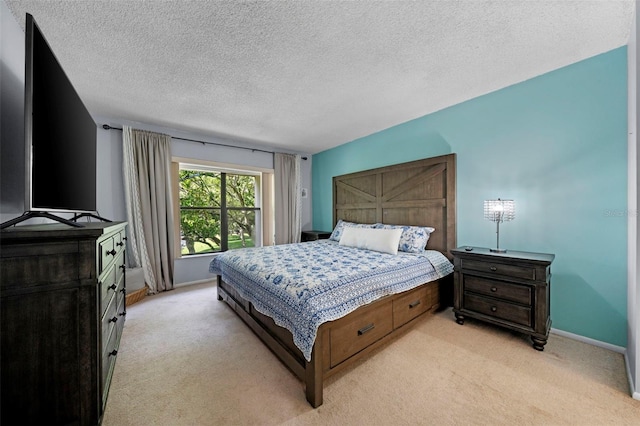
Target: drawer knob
123, 267
113, 286
414, 304
114, 319
122, 314
120, 244
494, 309
365, 329
113, 352
494, 289
111, 252
493, 268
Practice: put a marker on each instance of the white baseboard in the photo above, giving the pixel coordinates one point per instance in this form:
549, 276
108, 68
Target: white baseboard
634, 394
194, 282
593, 342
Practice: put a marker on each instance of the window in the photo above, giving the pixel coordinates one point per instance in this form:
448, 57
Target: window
219, 209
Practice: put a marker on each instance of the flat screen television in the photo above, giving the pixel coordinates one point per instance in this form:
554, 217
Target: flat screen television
60, 136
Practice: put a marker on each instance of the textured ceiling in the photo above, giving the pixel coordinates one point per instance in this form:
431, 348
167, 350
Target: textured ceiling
309, 75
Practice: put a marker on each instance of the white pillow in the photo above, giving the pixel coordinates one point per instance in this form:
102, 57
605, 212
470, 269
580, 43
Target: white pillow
383, 240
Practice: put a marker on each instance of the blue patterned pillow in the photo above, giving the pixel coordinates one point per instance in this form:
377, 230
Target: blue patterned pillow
413, 239
337, 231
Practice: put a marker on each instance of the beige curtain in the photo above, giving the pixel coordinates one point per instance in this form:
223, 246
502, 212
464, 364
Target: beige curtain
288, 199
146, 168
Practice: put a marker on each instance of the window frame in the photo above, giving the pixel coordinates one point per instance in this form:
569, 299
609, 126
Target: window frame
263, 205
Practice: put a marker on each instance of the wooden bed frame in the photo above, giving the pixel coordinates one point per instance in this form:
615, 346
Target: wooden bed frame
420, 193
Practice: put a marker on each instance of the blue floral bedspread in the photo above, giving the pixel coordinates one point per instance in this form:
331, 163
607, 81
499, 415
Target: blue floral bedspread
304, 285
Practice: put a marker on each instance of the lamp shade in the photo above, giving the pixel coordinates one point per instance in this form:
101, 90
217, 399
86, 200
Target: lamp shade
499, 210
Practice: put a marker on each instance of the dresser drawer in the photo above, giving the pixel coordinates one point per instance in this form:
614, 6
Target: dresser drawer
498, 309
112, 281
120, 299
120, 312
107, 253
40, 264
410, 306
119, 268
516, 271
500, 290
355, 335
109, 358
118, 241
108, 288
109, 321
120, 290
109, 249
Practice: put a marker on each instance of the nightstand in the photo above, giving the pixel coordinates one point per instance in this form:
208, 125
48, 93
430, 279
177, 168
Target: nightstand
314, 235
510, 289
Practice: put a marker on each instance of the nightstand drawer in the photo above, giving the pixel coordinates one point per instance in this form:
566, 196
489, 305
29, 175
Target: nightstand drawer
525, 272
500, 290
498, 309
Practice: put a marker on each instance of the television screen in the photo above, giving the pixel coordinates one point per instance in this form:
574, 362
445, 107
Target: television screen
60, 134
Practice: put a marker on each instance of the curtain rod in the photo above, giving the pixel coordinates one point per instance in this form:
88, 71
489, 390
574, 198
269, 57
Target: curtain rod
107, 127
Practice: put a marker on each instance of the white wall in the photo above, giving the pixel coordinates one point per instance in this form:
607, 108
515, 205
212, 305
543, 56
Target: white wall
633, 301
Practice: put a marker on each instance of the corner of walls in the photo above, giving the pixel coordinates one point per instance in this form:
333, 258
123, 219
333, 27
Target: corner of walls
632, 357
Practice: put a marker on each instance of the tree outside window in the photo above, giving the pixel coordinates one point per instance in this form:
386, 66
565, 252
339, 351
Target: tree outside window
218, 211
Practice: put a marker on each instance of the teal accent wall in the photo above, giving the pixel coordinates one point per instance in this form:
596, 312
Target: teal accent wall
557, 145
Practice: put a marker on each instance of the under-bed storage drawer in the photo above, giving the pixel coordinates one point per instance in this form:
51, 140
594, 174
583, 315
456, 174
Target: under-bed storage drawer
409, 306
356, 334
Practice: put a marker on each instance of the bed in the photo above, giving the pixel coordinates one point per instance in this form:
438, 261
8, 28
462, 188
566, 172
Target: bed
318, 324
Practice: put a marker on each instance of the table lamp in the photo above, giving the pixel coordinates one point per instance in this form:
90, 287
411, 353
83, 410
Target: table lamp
499, 211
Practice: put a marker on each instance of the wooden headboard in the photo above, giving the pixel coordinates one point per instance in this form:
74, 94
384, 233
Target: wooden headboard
418, 193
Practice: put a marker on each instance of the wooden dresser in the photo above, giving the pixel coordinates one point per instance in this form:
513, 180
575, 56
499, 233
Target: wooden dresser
62, 294
510, 289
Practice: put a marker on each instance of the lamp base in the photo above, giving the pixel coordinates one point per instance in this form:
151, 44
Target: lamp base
498, 250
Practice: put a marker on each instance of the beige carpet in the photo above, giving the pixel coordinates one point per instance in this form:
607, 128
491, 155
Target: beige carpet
187, 359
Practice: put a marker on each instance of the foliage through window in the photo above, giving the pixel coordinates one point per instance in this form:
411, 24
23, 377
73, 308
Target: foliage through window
219, 211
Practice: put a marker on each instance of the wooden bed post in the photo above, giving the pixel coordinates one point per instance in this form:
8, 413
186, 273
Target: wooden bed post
313, 375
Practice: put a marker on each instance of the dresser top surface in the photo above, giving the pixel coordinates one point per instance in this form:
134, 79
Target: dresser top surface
509, 254
48, 230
